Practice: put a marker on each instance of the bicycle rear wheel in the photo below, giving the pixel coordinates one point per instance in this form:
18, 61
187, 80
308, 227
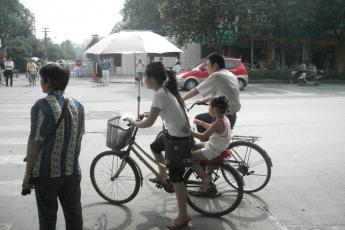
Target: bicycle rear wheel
253, 164
114, 177
221, 197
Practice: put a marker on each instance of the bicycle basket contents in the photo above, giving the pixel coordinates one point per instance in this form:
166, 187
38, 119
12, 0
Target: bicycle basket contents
177, 152
118, 135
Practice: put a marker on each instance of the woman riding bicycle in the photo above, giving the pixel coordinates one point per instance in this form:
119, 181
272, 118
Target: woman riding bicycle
167, 104
219, 135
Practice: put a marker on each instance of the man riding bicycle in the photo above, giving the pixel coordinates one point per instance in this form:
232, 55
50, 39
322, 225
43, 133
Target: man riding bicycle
220, 82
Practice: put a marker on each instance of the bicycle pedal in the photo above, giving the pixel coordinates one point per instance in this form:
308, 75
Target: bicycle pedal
159, 185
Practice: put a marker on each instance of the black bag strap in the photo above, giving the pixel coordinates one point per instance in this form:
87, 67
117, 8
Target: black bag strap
63, 111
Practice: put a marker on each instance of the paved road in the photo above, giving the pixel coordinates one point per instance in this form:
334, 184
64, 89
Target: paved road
302, 128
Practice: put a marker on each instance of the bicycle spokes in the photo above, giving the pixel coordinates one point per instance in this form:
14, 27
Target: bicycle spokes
119, 170
253, 164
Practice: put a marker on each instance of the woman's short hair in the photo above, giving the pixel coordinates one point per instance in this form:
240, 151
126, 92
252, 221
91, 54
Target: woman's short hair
56, 74
221, 103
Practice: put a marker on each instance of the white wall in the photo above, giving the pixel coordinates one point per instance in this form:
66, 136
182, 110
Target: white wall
189, 57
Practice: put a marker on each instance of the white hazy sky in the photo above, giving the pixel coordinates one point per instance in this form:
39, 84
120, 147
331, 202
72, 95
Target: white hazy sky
75, 20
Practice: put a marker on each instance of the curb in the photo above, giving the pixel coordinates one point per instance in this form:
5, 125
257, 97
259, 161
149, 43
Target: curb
276, 81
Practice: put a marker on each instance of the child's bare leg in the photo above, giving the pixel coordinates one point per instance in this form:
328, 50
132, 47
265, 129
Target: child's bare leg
197, 156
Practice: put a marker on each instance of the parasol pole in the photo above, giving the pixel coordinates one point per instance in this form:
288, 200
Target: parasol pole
135, 72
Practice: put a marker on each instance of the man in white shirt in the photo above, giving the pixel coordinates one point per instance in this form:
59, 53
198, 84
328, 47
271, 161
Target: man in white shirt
220, 82
9, 66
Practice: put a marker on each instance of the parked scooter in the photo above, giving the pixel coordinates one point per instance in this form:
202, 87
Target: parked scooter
310, 78
297, 72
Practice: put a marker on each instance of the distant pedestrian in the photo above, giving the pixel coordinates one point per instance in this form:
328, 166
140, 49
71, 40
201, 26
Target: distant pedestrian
31, 69
177, 67
9, 66
140, 68
106, 65
160, 59
2, 68
52, 164
99, 75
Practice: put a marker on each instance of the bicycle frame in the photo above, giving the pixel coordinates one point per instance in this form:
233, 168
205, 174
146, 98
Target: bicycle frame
138, 151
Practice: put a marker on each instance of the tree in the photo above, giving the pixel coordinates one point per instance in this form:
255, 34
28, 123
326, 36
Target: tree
253, 21
95, 38
117, 28
15, 20
207, 21
141, 15
67, 50
54, 51
330, 18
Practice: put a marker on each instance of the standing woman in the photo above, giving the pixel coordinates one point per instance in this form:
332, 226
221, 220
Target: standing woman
99, 72
167, 103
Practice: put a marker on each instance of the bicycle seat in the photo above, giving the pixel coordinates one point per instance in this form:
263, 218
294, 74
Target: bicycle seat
221, 157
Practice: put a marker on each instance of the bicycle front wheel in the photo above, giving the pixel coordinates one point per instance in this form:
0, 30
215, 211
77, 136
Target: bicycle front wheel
253, 164
221, 197
114, 177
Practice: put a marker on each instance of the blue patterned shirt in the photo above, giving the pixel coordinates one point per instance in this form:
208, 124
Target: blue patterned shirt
59, 155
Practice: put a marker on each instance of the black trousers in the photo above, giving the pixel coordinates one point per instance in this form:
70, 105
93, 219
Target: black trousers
67, 190
9, 75
206, 117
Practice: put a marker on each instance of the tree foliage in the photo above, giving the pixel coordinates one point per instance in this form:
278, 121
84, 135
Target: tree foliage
15, 20
141, 15
68, 51
253, 19
95, 38
198, 21
330, 16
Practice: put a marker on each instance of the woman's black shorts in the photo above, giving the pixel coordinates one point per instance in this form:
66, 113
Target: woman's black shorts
175, 174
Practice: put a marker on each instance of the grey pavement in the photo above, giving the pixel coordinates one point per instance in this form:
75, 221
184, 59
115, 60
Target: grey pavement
302, 129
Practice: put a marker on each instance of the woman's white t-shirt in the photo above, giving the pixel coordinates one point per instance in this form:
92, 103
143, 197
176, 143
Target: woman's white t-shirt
171, 112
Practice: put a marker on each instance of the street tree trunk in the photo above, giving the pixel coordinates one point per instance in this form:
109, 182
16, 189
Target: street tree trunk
340, 56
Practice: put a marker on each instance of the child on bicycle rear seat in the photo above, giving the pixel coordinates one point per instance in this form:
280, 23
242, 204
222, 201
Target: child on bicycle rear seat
219, 134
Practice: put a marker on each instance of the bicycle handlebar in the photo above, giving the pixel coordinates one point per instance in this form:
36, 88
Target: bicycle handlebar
196, 103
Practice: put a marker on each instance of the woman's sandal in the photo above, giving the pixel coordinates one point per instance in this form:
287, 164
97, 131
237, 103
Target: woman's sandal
174, 225
156, 180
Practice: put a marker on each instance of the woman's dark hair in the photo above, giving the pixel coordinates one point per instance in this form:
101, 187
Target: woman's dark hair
56, 74
221, 103
216, 58
160, 74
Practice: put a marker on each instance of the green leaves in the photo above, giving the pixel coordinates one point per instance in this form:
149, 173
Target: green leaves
141, 15
15, 20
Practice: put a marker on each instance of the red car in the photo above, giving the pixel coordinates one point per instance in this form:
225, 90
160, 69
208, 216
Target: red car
188, 79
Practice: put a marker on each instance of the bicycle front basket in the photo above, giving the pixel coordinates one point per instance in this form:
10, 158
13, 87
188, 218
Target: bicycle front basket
118, 137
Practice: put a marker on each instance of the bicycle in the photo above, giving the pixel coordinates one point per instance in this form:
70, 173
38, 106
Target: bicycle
252, 162
117, 177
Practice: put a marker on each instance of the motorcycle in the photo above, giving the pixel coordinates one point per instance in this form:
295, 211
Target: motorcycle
310, 78
295, 74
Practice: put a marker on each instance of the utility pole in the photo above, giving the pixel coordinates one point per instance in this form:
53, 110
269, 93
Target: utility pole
45, 30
